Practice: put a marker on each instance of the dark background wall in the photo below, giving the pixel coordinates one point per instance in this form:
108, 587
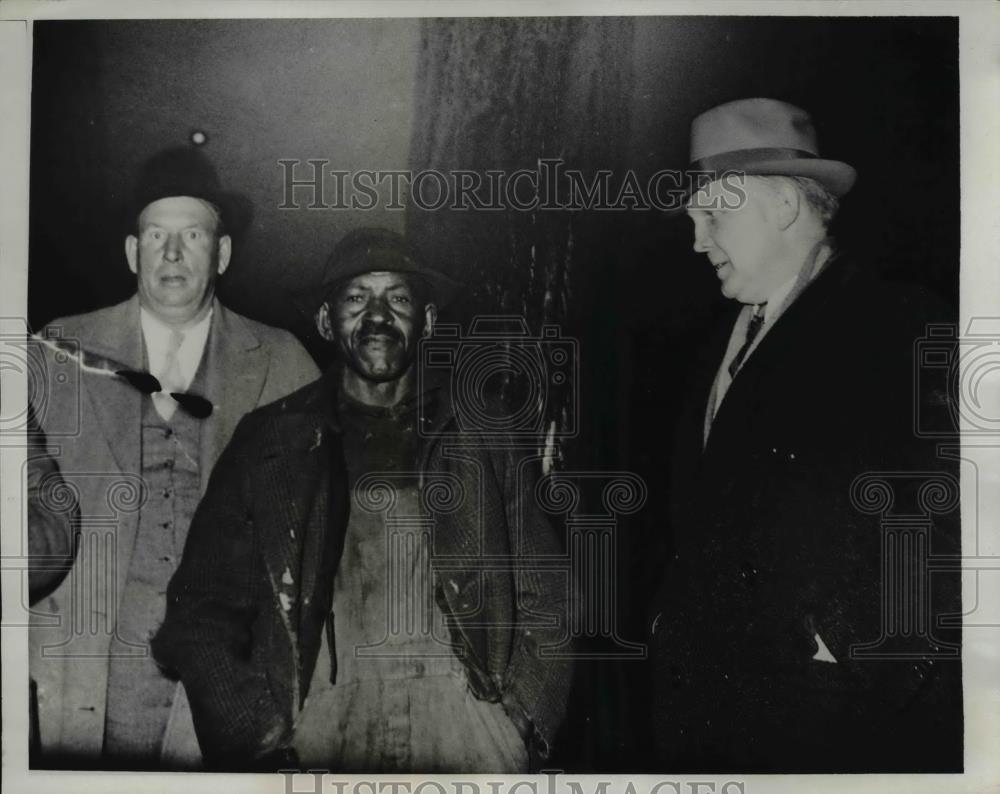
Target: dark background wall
107, 95
601, 93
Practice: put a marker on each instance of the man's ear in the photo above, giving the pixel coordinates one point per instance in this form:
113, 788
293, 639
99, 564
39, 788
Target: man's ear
430, 317
131, 247
323, 323
225, 252
788, 204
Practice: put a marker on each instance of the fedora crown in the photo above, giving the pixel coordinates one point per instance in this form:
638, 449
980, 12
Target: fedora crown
766, 137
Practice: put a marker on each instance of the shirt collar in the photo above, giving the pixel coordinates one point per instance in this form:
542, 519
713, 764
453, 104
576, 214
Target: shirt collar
777, 298
788, 291
157, 333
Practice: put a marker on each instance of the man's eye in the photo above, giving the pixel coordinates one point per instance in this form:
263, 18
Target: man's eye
193, 234
155, 235
401, 298
353, 298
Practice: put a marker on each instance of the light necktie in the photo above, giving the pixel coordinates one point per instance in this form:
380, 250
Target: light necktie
171, 379
753, 328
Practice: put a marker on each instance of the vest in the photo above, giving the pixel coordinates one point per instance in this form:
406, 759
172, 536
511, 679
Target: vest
140, 697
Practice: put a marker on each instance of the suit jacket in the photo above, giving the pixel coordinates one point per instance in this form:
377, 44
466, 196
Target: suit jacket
770, 550
246, 607
92, 424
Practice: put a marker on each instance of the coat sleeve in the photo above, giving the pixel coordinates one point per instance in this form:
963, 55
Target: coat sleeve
212, 602
53, 518
539, 674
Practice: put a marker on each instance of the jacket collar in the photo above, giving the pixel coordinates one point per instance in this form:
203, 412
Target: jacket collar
815, 304
434, 401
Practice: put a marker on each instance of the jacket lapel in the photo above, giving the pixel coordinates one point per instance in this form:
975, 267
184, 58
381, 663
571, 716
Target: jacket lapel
302, 475
458, 537
786, 345
693, 432
116, 405
117, 409
234, 379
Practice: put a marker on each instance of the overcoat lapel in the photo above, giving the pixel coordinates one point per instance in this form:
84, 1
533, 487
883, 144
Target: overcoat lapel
234, 378
117, 405
301, 454
691, 432
784, 346
117, 408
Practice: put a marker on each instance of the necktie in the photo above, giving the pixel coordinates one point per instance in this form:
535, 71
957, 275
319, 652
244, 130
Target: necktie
171, 378
756, 322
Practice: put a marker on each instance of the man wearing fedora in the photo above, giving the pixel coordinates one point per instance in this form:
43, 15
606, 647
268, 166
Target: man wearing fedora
774, 597
164, 378
378, 609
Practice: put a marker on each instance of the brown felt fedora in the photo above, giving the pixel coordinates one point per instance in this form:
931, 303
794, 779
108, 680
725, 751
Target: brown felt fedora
766, 137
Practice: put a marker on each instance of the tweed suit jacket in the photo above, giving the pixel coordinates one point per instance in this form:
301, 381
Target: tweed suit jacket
770, 549
92, 427
248, 603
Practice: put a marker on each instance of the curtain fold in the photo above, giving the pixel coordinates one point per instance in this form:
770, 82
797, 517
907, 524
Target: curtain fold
498, 95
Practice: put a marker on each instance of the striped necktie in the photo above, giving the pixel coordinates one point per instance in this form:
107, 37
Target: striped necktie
756, 323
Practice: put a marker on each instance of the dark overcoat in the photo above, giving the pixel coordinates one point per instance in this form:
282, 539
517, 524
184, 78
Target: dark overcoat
777, 538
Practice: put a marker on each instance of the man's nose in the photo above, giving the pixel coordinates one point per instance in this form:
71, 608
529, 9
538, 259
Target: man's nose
172, 249
702, 239
378, 309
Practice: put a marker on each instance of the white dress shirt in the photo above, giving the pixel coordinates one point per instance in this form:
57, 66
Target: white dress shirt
157, 337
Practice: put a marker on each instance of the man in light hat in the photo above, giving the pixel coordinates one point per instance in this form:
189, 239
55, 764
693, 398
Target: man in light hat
358, 594
164, 378
768, 624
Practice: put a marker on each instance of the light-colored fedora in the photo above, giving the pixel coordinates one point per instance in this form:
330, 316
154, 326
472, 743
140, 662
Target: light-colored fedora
766, 137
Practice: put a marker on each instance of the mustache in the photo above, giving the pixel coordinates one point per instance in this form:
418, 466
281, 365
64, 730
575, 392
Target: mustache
371, 328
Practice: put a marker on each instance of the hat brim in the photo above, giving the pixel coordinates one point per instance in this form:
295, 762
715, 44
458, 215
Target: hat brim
836, 176
443, 288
